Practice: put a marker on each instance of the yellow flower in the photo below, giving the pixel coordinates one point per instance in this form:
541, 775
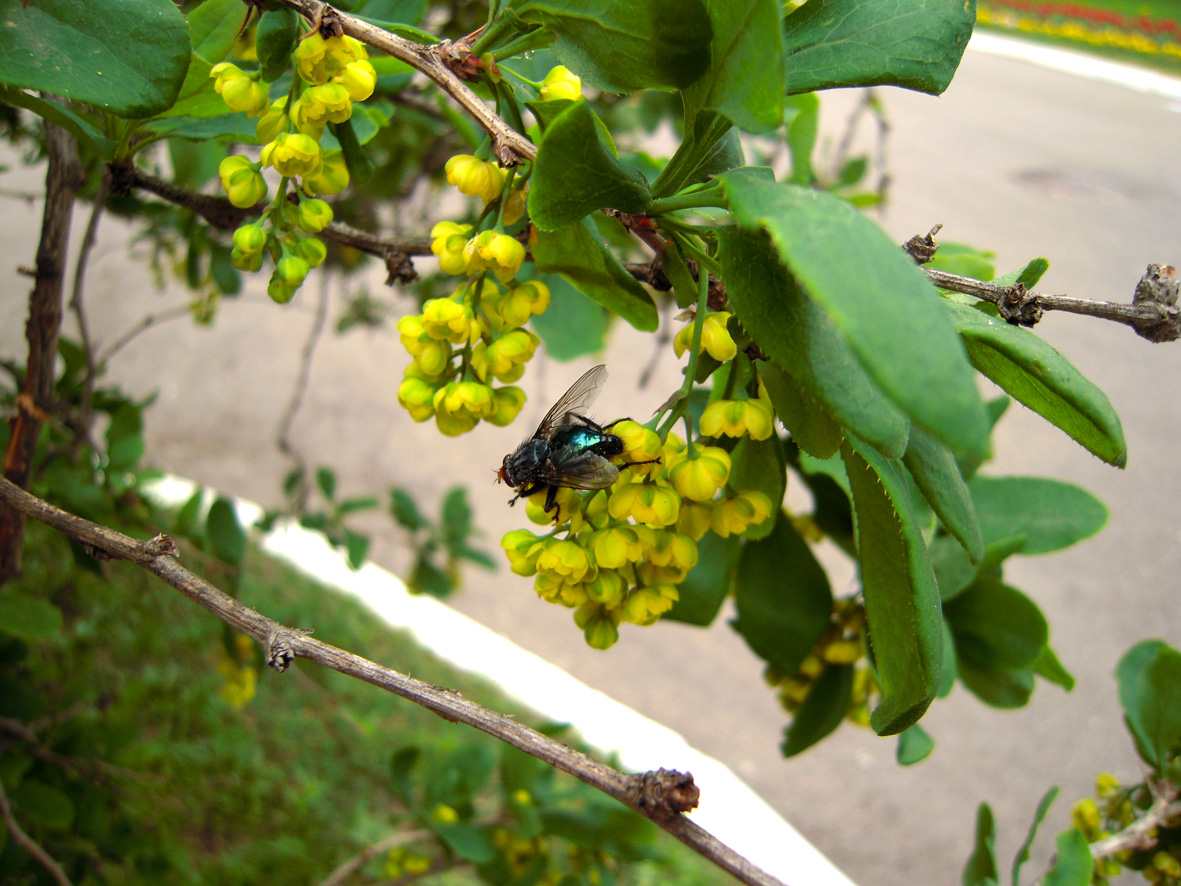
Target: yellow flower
417, 397
521, 302
599, 625
459, 406
448, 240
673, 549
359, 78
715, 338
240, 91
475, 177
332, 178
515, 207
653, 505
640, 444
313, 215
507, 402
506, 356
737, 418
694, 519
700, 476
272, 122
522, 548
645, 605
243, 183
319, 106
738, 513
560, 83
317, 60
607, 588
566, 559
294, 154
616, 545
495, 252
449, 320
567, 501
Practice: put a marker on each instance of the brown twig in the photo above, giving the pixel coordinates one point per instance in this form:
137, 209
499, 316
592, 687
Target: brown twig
31, 846
1153, 314
63, 178
348, 867
85, 418
1139, 834
661, 796
509, 146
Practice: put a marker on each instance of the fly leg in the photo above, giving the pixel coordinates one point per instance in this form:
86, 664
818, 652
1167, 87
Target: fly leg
551, 503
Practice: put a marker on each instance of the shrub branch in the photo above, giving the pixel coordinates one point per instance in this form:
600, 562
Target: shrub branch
661, 795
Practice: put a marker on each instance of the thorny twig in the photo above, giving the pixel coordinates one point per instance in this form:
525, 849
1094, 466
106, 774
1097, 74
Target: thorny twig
1153, 314
1139, 834
661, 796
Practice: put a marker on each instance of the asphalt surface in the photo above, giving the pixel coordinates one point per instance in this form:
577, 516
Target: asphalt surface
1015, 159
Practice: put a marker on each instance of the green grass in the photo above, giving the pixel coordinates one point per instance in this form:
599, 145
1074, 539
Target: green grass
1157, 10
173, 784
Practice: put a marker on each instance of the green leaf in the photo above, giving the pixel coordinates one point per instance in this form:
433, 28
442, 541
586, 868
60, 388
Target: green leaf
802, 340
745, 76
1073, 864
759, 465
30, 618
574, 325
708, 583
802, 129
466, 841
1050, 668
782, 596
214, 27
937, 475
127, 57
274, 41
427, 578
880, 304
708, 147
43, 804
326, 482
125, 442
914, 745
901, 596
578, 254
402, 765
822, 711
1034, 373
997, 627
624, 45
226, 534
356, 548
811, 425
1039, 816
456, 517
912, 43
80, 127
981, 867
575, 173
1000, 689
1050, 514
405, 511
1149, 677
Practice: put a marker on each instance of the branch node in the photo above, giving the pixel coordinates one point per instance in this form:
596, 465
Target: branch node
280, 650
922, 249
160, 546
1019, 306
1160, 287
662, 794
399, 268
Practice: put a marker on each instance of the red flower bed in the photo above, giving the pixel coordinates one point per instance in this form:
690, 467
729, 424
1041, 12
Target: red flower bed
1142, 24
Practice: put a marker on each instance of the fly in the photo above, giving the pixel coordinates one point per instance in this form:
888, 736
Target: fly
567, 449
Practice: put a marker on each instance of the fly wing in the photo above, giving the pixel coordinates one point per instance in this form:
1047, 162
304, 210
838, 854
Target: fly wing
579, 469
576, 400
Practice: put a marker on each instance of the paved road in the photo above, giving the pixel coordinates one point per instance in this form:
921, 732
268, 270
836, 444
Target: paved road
1013, 158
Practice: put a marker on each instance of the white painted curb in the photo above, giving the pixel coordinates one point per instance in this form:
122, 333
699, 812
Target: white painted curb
730, 810
1078, 64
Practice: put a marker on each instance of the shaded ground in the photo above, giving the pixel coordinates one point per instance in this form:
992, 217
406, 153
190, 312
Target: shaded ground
1012, 158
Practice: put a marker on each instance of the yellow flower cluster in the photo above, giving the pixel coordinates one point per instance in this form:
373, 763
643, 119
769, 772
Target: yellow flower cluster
626, 548
484, 323
333, 73
715, 338
840, 644
1114, 811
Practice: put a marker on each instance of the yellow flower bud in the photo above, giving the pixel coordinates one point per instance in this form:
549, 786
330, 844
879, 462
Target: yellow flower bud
506, 356
359, 78
599, 625
560, 83
475, 177
694, 519
715, 338
515, 207
243, 183
446, 319
417, 397
312, 250
640, 444
521, 302
522, 548
250, 238
653, 505
644, 606
279, 290
240, 91
292, 270
460, 405
313, 215
332, 178
615, 546
566, 559
319, 106
499, 253
607, 588
448, 240
317, 59
272, 122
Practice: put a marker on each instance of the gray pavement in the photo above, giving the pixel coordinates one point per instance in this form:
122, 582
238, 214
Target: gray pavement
1012, 158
